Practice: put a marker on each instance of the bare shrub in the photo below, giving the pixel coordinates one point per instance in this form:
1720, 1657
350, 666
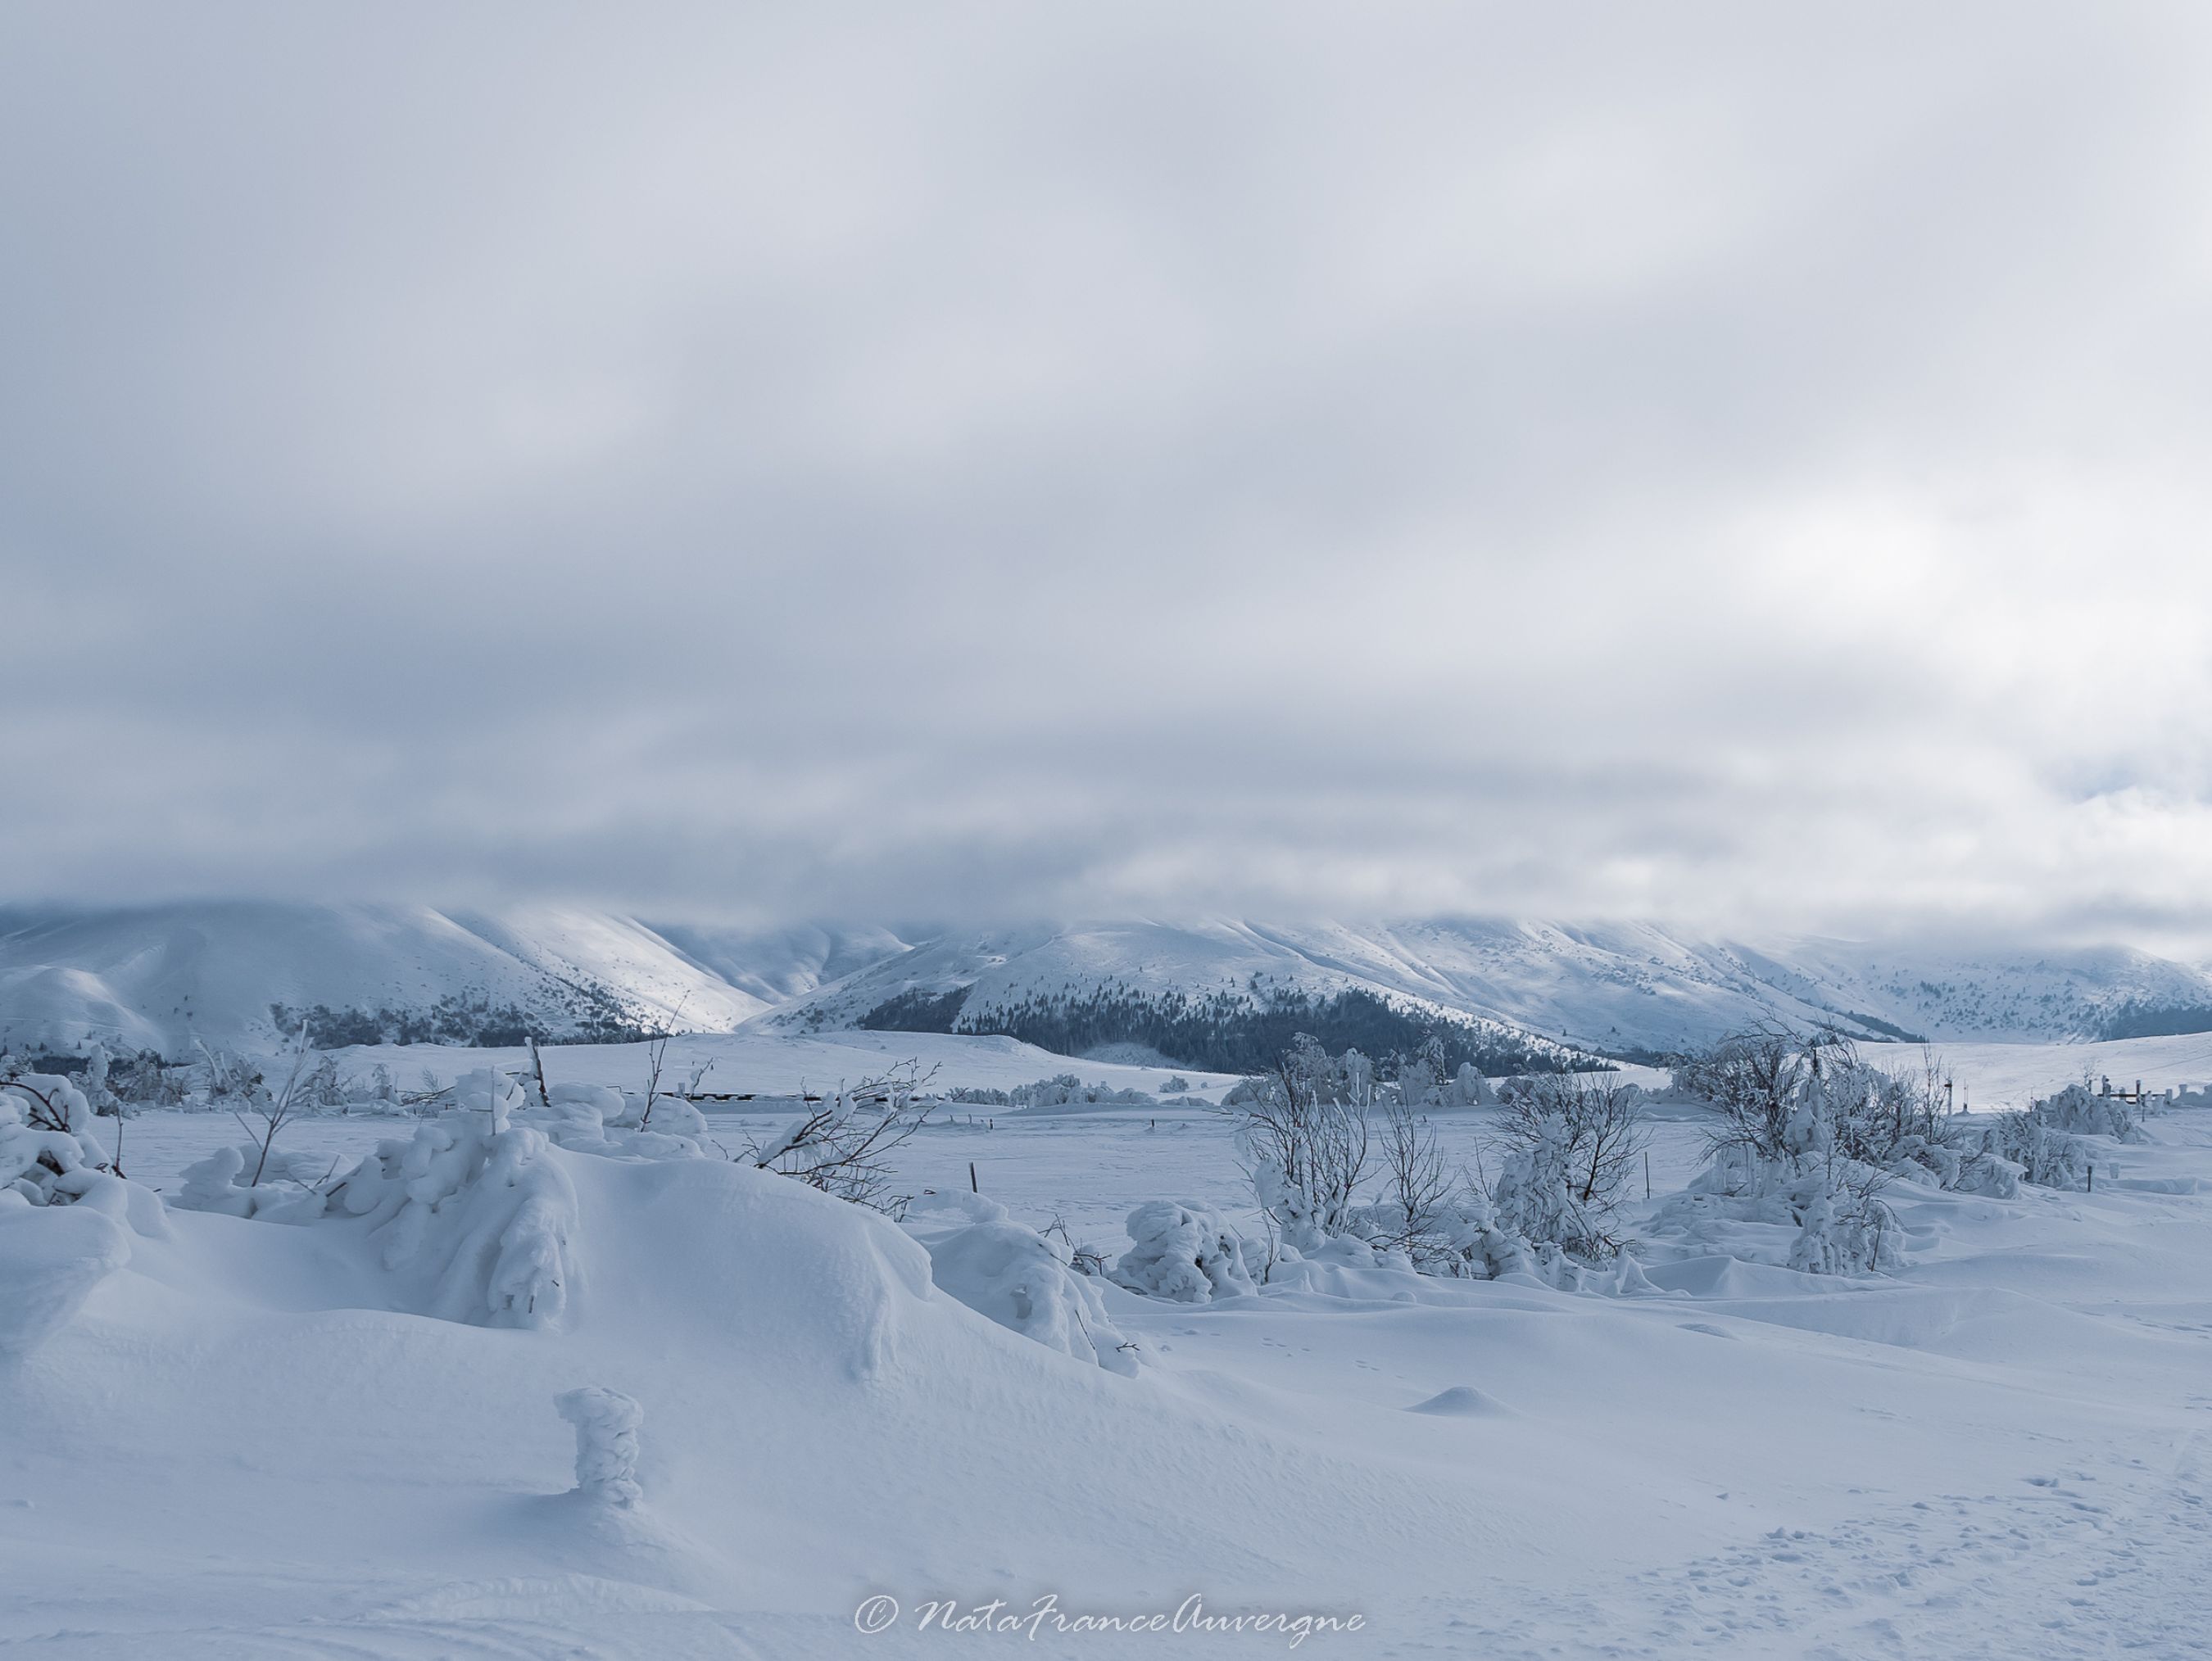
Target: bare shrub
844, 1144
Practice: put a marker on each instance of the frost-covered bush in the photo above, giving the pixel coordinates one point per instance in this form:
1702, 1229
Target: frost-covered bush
1183, 1252
606, 1423
1066, 1090
469, 1208
1592, 1128
1021, 1279
473, 1210
2043, 1155
1781, 1098
1845, 1233
1424, 1081
144, 1080
1457, 1236
1539, 1195
1062, 1090
2086, 1113
1809, 1134
1303, 1134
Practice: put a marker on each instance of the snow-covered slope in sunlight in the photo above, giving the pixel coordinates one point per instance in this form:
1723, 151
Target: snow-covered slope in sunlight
159, 976
777, 965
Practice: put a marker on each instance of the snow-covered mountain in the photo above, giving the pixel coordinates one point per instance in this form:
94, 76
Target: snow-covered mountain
1611, 987
161, 975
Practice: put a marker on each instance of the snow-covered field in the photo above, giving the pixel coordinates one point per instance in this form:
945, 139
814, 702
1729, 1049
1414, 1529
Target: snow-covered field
245, 1443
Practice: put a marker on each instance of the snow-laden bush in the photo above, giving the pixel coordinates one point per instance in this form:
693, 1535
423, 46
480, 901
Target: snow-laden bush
1066, 1090
1538, 1198
1591, 1129
1456, 1235
472, 1210
1021, 1279
2082, 1111
2043, 1155
1809, 1135
66, 1217
1303, 1132
469, 1208
1991, 1174
1062, 1090
1424, 1081
50, 1150
1183, 1252
1847, 1235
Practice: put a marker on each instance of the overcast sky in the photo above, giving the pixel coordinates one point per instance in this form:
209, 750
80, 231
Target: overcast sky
1747, 465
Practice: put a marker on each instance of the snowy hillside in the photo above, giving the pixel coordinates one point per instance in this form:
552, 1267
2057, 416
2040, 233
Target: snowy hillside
1617, 987
159, 975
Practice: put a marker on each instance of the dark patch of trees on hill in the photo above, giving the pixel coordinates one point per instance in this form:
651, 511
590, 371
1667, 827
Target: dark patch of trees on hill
590, 1016
917, 1011
1884, 1029
2134, 1020
1227, 1030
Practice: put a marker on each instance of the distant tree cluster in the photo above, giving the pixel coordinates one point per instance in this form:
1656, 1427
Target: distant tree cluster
1230, 1029
590, 1016
2135, 1018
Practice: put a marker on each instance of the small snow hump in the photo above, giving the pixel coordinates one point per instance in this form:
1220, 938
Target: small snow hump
1462, 1402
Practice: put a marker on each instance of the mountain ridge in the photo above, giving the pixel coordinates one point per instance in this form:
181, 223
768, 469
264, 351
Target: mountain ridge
161, 976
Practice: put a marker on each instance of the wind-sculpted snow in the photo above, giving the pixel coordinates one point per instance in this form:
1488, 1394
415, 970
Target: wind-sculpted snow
1182, 1253
1020, 1278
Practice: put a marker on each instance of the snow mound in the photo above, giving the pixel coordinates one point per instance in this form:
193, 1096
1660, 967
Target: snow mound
49, 1263
1019, 1278
1462, 1402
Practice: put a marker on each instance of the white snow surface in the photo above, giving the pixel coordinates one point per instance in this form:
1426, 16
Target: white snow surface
233, 1438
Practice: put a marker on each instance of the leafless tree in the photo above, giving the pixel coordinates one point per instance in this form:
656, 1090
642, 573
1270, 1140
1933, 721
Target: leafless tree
1755, 1080
1416, 1182
655, 1053
274, 1111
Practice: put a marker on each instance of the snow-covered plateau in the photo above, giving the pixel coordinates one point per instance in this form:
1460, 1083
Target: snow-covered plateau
488, 1368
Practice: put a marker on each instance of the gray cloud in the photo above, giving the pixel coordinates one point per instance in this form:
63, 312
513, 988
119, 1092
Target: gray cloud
1730, 465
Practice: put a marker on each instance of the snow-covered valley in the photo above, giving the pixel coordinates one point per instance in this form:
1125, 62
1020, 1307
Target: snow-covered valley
254, 1438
